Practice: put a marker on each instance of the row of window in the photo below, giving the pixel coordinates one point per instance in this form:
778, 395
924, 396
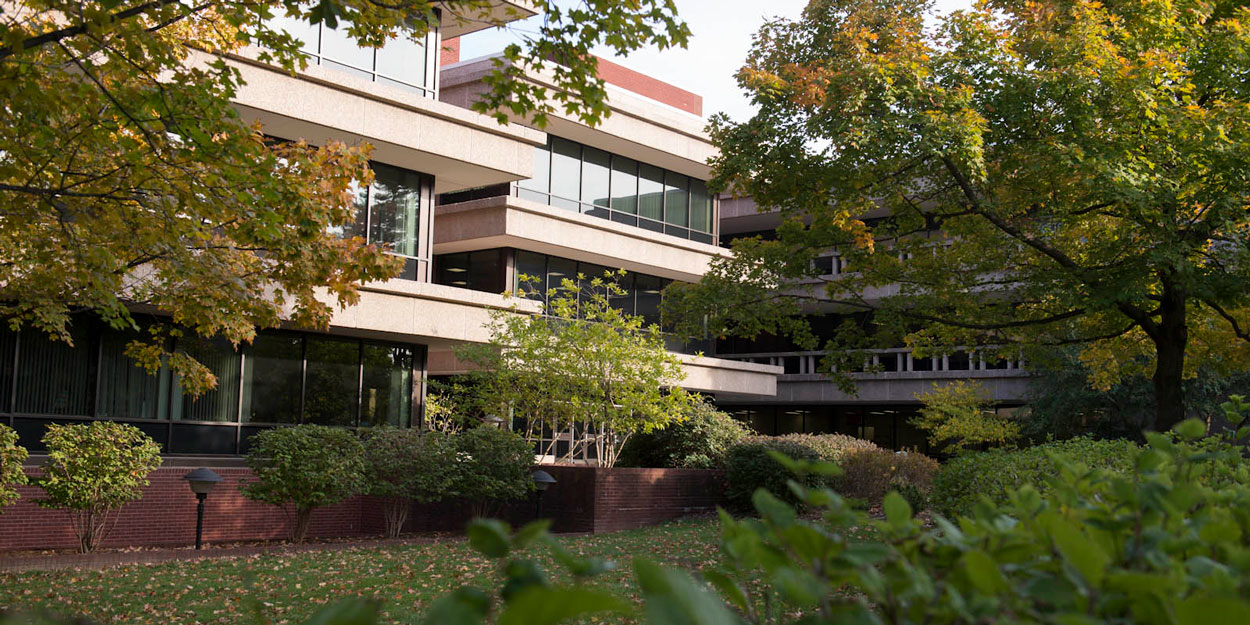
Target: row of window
401, 63
389, 212
281, 378
887, 426
581, 178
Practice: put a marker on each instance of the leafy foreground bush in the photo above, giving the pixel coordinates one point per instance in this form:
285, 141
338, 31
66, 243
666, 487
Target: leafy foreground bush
93, 469
1163, 544
404, 465
700, 441
307, 466
492, 466
12, 456
963, 481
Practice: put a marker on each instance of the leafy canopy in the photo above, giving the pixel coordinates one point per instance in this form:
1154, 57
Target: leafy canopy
12, 456
128, 179
958, 417
584, 364
1021, 175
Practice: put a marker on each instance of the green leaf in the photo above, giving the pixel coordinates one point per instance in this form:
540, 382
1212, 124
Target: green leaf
488, 537
350, 611
547, 606
463, 606
897, 510
673, 598
1190, 429
1204, 610
1085, 555
728, 588
983, 572
531, 532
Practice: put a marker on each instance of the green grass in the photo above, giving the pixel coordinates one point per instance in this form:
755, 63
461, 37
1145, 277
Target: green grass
288, 588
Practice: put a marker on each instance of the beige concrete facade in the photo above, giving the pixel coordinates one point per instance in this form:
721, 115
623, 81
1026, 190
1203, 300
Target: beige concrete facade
509, 221
460, 148
638, 128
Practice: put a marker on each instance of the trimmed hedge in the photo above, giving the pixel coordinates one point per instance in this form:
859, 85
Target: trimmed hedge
994, 474
701, 440
868, 474
748, 467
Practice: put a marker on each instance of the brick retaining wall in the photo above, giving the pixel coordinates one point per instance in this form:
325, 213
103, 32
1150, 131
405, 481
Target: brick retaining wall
584, 500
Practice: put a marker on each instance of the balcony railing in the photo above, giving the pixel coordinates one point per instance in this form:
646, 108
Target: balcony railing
885, 362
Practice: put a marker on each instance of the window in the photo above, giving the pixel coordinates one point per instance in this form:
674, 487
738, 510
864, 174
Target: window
273, 372
126, 389
596, 173
700, 206
389, 212
651, 192
332, 380
624, 185
401, 63
566, 167
386, 389
676, 199
221, 403
481, 271
53, 377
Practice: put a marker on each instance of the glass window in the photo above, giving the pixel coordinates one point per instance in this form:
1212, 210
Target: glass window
386, 397
596, 172
647, 289
531, 265
541, 179
486, 271
272, 376
360, 201
221, 403
8, 340
402, 59
651, 192
589, 272
53, 377
625, 301
338, 46
624, 184
128, 391
333, 381
566, 165
676, 199
700, 206
452, 269
560, 269
307, 33
395, 209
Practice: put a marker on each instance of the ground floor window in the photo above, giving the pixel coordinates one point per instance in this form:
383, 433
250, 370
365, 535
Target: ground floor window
283, 377
888, 426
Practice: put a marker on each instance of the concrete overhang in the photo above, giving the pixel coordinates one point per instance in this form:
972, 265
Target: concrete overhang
638, 127
456, 22
460, 148
708, 375
431, 314
508, 221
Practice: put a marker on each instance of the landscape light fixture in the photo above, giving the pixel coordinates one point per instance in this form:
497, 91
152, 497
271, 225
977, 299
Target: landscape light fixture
542, 481
202, 482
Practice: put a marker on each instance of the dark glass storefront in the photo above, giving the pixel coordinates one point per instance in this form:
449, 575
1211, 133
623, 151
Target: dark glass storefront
282, 378
885, 425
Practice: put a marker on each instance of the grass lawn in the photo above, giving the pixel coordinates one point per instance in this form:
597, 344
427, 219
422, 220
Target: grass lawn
291, 587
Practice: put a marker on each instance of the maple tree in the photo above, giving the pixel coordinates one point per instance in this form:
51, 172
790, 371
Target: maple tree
1008, 178
128, 179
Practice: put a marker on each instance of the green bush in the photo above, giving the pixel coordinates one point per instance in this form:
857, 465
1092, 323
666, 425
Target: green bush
831, 447
963, 481
93, 469
493, 466
700, 441
307, 466
12, 456
403, 465
749, 467
868, 474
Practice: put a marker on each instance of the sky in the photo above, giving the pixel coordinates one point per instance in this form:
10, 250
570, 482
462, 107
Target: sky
721, 33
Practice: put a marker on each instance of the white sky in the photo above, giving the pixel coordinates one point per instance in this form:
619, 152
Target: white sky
721, 36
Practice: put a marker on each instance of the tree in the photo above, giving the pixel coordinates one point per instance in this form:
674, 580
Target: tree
12, 456
94, 469
492, 466
583, 365
701, 439
307, 466
403, 465
128, 179
959, 418
1023, 175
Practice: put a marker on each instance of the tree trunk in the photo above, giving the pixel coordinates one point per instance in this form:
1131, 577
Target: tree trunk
302, 517
395, 510
1170, 339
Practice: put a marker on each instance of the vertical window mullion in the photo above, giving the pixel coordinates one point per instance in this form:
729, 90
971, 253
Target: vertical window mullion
360, 379
303, 378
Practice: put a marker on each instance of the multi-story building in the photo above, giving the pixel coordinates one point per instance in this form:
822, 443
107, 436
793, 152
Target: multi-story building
467, 202
885, 397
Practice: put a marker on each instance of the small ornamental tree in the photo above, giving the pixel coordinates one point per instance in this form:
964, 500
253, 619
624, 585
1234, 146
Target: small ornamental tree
306, 466
12, 456
959, 418
94, 469
700, 440
583, 366
492, 466
404, 465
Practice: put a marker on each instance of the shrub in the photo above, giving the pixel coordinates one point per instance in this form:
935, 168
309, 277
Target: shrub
492, 466
701, 440
831, 447
963, 481
868, 474
402, 465
93, 469
749, 467
959, 418
307, 466
12, 456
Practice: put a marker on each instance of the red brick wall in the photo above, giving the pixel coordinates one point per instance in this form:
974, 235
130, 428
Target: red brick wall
584, 499
647, 86
450, 52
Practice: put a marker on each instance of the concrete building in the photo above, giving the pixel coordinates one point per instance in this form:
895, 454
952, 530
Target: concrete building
885, 399
467, 202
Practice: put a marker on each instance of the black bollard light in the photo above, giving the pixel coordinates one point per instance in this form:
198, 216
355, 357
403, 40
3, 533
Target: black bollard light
202, 482
542, 480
